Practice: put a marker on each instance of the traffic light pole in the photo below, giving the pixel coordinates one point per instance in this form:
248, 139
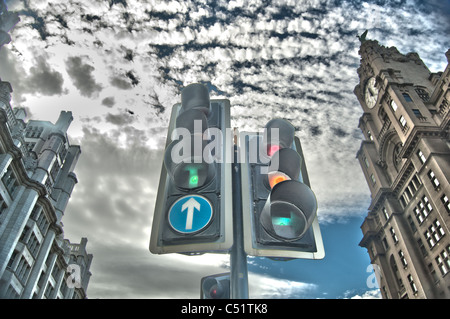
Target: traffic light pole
238, 258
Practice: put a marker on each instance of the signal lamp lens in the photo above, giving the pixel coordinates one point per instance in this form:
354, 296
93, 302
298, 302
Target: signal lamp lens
288, 221
271, 149
277, 177
282, 221
193, 176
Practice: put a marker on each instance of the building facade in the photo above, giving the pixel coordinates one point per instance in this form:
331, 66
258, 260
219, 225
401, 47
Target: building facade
405, 158
36, 181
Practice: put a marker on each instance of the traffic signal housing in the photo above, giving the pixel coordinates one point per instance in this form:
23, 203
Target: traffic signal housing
215, 287
279, 207
193, 209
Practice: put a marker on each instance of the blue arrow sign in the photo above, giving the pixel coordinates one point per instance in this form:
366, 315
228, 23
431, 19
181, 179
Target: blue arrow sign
190, 214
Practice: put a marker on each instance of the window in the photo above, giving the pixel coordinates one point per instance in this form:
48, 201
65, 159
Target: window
402, 121
366, 162
394, 105
417, 113
422, 210
408, 193
394, 236
385, 244
434, 233
419, 215
446, 202
34, 131
432, 272
412, 284
385, 213
35, 212
433, 179
11, 293
33, 244
411, 224
12, 259
407, 97
55, 170
23, 269
416, 182
3, 206
427, 204
49, 290
42, 222
421, 156
422, 248
443, 261
10, 181
30, 146
429, 239
23, 237
403, 200
423, 94
369, 135
403, 259
372, 178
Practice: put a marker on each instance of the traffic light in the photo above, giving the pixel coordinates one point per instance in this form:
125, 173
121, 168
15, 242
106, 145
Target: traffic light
279, 207
215, 287
194, 201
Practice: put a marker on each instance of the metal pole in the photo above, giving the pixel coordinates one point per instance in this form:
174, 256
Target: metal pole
238, 258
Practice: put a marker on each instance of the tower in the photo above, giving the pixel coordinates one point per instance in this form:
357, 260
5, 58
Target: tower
405, 158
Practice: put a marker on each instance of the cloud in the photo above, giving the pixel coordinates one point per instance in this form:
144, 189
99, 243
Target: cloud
119, 119
109, 101
120, 83
43, 79
81, 75
268, 287
369, 294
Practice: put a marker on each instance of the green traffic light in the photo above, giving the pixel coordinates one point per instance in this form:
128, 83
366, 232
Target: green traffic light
282, 221
193, 176
193, 181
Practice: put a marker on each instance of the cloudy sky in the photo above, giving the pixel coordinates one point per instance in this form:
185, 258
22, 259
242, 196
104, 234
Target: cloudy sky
119, 65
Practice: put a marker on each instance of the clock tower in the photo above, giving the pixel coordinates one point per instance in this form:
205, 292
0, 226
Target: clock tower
405, 158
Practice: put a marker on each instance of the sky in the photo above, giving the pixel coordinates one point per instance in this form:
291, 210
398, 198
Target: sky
119, 65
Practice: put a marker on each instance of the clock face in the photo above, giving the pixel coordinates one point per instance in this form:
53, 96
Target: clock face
371, 93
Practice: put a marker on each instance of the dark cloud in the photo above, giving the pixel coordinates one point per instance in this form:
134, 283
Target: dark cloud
128, 55
133, 78
109, 101
44, 80
119, 119
120, 82
315, 130
81, 75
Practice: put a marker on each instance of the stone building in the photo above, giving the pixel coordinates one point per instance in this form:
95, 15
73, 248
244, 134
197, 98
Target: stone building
36, 181
405, 158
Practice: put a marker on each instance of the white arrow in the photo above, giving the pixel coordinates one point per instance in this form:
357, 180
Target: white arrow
190, 205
